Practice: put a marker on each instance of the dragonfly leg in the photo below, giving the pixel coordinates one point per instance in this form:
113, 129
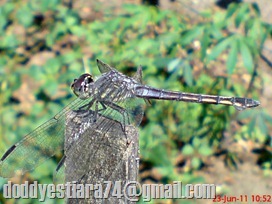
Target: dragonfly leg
98, 110
88, 105
119, 109
103, 106
122, 111
60, 164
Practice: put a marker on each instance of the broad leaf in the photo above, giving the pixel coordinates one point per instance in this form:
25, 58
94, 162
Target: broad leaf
247, 56
219, 48
232, 58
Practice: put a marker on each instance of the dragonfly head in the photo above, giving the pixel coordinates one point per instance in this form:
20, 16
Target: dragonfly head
81, 86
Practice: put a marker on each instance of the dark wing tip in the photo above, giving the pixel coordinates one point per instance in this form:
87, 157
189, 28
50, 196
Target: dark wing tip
103, 67
99, 62
8, 152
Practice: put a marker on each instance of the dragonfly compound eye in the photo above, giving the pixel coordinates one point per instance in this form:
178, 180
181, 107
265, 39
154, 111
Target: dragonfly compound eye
88, 79
80, 86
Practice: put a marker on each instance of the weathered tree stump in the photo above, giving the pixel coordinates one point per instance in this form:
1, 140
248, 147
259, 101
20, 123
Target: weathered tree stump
101, 151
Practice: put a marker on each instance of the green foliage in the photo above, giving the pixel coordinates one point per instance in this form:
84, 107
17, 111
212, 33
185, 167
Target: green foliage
220, 35
40, 60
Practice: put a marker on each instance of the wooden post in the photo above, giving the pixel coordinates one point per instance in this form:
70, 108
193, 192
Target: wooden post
103, 152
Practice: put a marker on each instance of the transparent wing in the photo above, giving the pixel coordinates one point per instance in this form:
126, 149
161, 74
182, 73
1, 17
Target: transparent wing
42, 143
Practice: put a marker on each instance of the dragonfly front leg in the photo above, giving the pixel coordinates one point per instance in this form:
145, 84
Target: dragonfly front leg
98, 110
103, 106
120, 110
88, 105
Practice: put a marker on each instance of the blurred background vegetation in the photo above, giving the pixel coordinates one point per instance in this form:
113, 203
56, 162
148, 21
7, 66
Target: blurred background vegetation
218, 49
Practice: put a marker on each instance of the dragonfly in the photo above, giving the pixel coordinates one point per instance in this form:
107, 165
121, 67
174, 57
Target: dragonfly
111, 96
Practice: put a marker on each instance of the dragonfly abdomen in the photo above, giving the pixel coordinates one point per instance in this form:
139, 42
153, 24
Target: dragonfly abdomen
153, 93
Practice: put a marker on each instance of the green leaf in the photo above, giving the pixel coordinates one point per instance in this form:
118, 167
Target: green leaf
196, 142
3, 21
262, 125
76, 66
246, 114
25, 16
242, 14
187, 150
51, 87
191, 35
231, 10
232, 58
205, 150
52, 66
7, 8
256, 9
37, 109
78, 30
205, 40
36, 72
49, 39
196, 162
9, 41
252, 125
70, 21
206, 13
249, 26
267, 117
49, 4
172, 66
219, 48
246, 56
216, 33
187, 73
